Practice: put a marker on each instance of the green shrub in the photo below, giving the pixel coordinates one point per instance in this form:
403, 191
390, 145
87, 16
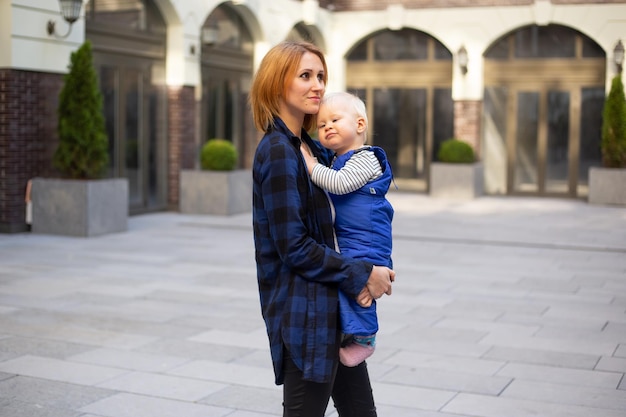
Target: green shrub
218, 155
613, 143
455, 151
83, 145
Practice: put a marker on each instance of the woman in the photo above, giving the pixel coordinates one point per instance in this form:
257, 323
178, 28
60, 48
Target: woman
298, 270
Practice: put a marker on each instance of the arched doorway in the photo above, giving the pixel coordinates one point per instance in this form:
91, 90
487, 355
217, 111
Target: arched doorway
302, 32
410, 108
544, 92
129, 41
227, 66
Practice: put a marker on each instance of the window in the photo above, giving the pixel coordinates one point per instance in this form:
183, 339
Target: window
139, 15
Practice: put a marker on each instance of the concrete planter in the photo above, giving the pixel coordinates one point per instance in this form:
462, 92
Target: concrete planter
215, 192
81, 208
607, 186
456, 181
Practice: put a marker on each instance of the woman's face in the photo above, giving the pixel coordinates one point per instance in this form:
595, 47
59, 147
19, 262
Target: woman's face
304, 93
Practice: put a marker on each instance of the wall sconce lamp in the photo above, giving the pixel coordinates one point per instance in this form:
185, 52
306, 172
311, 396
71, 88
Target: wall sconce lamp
70, 10
618, 55
462, 58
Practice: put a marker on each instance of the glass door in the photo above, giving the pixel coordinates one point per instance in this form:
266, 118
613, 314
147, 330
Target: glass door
134, 112
410, 109
544, 92
545, 145
400, 128
132, 143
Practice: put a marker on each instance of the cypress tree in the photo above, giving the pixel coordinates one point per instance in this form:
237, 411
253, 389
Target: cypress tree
83, 145
614, 126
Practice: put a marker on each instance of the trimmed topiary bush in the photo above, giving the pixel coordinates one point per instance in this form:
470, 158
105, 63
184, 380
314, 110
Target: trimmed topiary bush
83, 144
218, 155
456, 151
613, 143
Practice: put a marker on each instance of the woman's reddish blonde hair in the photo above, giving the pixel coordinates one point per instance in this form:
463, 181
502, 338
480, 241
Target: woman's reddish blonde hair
276, 72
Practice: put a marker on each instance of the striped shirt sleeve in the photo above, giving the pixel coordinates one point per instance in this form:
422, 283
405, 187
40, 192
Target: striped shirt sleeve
360, 169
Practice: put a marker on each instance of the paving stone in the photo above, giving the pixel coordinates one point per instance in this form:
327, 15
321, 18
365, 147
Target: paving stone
16, 408
50, 394
579, 377
608, 398
233, 338
127, 324
195, 350
492, 308
411, 397
541, 357
488, 406
131, 405
256, 358
589, 324
445, 363
227, 373
387, 410
446, 380
575, 346
433, 335
18, 346
166, 316
162, 386
7, 310
243, 413
610, 334
129, 360
260, 400
611, 364
416, 344
59, 370
491, 327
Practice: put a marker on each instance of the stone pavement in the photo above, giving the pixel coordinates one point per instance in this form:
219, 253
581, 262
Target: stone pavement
503, 307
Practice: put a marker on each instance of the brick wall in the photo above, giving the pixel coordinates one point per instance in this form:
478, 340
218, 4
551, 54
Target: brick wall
467, 116
28, 138
182, 149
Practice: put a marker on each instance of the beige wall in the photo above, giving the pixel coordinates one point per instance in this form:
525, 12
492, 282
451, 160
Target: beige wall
26, 45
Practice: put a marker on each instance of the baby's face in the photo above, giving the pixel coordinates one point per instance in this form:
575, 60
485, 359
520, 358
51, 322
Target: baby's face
339, 129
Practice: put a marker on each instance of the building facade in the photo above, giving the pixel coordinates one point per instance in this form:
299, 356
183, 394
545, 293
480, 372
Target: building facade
523, 81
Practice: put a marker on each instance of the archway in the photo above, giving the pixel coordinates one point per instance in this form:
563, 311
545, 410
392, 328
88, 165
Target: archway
227, 67
410, 107
544, 92
129, 47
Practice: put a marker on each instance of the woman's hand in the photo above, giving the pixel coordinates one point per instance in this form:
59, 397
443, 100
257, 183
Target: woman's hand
365, 299
379, 283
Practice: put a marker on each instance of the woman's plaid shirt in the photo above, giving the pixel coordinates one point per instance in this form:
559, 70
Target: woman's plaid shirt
298, 270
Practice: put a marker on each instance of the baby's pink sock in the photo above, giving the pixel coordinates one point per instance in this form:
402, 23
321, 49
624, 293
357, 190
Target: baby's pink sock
354, 354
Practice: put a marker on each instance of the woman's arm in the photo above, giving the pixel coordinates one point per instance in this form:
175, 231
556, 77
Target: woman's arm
288, 201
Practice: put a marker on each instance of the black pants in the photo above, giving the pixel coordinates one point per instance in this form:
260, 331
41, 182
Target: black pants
351, 392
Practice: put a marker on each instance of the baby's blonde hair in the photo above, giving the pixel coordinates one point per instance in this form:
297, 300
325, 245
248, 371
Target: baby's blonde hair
341, 98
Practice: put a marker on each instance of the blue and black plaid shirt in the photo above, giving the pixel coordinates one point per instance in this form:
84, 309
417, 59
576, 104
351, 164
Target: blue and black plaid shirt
298, 270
